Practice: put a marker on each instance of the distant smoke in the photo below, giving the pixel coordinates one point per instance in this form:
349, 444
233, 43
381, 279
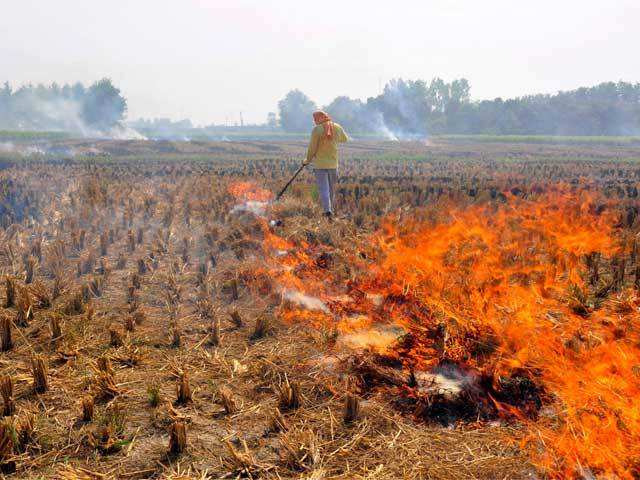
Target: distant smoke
23, 150
6, 147
163, 129
378, 126
124, 132
66, 115
61, 113
399, 113
95, 112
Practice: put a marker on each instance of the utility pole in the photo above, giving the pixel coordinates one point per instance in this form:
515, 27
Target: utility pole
241, 120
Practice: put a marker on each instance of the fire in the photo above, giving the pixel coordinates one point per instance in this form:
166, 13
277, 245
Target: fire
528, 289
501, 286
249, 192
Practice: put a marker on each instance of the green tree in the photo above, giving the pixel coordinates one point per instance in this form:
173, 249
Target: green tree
403, 106
349, 113
103, 106
296, 111
78, 91
5, 105
272, 120
460, 91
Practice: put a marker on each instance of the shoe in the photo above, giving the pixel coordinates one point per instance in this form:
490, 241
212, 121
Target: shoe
329, 216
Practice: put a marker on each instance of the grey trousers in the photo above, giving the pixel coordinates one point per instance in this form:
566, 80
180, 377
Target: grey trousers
326, 179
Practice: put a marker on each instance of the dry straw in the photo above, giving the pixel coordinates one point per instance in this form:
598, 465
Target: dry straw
5, 332
183, 389
6, 389
39, 372
87, 408
177, 438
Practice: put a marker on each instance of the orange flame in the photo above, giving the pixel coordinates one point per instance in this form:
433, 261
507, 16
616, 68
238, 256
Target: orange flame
505, 284
249, 191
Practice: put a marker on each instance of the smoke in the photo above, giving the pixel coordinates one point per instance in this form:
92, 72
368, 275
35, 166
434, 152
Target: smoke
394, 133
94, 112
399, 113
6, 147
447, 379
124, 132
45, 148
377, 338
409, 112
23, 150
308, 302
65, 114
60, 113
252, 206
379, 127
163, 128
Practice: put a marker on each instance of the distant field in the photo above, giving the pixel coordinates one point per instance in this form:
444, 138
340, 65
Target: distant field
567, 140
247, 135
146, 295
6, 135
241, 135
435, 150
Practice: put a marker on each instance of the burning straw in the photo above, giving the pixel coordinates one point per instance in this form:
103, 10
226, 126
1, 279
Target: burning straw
489, 289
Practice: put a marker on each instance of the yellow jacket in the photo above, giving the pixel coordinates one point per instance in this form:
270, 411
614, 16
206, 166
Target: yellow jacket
322, 152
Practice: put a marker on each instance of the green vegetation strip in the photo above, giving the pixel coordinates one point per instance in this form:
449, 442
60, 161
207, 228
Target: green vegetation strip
29, 135
565, 140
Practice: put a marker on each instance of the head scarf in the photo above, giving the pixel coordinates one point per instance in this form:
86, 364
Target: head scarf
323, 118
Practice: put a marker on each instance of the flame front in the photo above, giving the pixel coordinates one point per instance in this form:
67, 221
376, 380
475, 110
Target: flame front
504, 289
249, 191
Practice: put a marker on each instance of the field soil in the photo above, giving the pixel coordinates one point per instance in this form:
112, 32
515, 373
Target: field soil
162, 317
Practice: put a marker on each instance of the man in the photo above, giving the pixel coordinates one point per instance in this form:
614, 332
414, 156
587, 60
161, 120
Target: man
323, 155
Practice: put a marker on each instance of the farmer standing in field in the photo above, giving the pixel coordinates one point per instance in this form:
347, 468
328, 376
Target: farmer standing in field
323, 155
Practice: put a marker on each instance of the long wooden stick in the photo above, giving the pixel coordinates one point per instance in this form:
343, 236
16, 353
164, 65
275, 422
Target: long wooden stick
290, 181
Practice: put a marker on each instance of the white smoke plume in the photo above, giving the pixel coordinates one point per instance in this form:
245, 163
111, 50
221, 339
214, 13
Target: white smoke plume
6, 147
23, 150
308, 302
378, 126
74, 110
252, 206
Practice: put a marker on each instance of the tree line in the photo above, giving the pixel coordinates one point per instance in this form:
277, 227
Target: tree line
404, 109
407, 109
71, 108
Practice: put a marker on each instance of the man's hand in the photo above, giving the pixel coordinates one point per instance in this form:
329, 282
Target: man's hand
305, 162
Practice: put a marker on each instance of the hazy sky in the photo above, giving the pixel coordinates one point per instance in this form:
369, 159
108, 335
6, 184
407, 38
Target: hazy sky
208, 60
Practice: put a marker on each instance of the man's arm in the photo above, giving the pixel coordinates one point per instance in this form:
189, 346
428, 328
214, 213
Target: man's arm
342, 136
313, 147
